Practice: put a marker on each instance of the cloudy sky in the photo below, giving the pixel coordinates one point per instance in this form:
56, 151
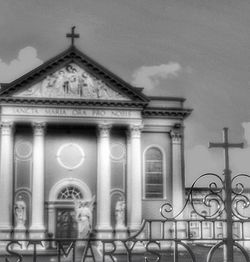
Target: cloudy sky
198, 49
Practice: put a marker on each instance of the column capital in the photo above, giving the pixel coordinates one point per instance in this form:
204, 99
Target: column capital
104, 130
135, 131
6, 127
176, 135
39, 128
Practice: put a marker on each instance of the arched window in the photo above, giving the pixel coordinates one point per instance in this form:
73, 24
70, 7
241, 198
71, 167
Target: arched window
154, 173
70, 193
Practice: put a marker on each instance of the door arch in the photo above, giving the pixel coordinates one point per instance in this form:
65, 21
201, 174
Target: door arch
61, 204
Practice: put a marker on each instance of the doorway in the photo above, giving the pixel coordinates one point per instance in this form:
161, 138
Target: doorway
61, 206
66, 225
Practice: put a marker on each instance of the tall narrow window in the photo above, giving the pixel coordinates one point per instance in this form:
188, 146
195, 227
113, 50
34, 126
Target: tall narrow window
154, 173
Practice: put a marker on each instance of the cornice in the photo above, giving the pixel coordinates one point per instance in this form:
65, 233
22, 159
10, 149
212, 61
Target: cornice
167, 98
175, 113
70, 102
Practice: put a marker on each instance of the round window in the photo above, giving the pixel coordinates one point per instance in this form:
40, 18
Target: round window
70, 156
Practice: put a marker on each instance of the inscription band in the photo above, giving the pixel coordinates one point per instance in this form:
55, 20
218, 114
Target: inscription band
70, 112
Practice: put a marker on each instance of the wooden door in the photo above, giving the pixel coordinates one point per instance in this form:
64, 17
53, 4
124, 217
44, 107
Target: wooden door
66, 226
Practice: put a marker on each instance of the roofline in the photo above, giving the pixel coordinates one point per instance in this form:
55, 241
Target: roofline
76, 55
38, 68
108, 72
166, 112
167, 98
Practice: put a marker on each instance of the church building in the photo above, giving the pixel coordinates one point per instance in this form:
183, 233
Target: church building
72, 130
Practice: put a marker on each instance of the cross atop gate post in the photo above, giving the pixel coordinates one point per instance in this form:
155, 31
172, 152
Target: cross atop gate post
229, 257
226, 145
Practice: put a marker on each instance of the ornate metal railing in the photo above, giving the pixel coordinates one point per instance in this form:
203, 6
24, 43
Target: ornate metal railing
226, 198
220, 230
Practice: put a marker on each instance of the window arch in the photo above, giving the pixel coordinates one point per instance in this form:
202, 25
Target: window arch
69, 182
70, 193
153, 173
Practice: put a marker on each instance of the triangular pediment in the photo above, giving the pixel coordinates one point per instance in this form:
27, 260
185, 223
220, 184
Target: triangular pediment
72, 75
72, 81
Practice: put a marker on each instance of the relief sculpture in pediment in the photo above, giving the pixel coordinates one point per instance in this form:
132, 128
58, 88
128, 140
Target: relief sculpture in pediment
72, 82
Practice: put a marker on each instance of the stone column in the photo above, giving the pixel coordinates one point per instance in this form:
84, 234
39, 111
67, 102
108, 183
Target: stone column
128, 181
6, 179
37, 228
178, 183
134, 179
103, 182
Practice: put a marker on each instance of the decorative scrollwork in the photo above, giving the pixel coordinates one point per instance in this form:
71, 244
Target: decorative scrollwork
213, 197
214, 188
239, 189
166, 209
240, 201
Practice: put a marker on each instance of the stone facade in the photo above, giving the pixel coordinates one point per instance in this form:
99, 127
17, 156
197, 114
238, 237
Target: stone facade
70, 129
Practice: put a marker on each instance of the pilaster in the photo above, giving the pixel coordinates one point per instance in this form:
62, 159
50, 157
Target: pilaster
178, 186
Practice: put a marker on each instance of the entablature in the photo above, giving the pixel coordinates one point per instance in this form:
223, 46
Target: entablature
74, 115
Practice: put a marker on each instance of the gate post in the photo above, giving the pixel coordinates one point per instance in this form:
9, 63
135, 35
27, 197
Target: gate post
228, 256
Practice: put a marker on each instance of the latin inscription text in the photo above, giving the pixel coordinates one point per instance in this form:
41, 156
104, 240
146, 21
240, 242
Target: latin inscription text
96, 113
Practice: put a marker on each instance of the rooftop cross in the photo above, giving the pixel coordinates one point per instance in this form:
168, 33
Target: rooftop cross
72, 35
226, 145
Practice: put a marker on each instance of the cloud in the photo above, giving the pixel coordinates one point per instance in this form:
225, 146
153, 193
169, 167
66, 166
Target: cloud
27, 60
149, 76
